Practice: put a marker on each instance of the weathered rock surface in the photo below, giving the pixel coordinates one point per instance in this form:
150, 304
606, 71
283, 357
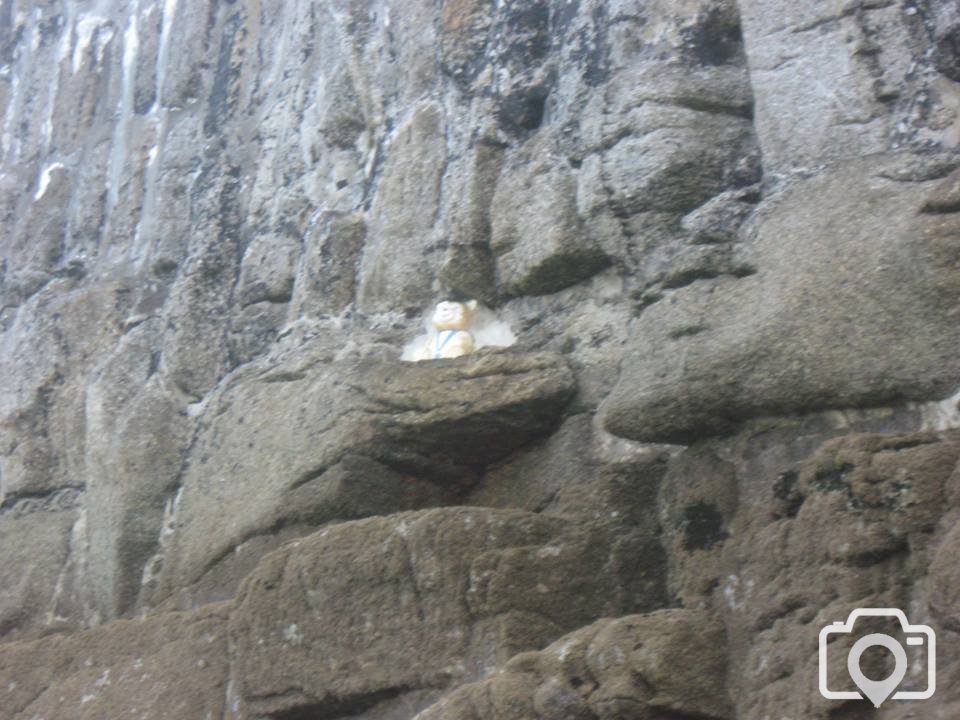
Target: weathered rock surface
36, 535
538, 239
292, 448
220, 222
779, 542
664, 664
170, 666
808, 114
433, 598
805, 331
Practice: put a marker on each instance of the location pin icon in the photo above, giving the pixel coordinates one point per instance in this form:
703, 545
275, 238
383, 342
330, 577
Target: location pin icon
877, 691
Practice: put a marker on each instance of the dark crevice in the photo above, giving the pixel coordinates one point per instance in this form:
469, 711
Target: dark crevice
703, 527
947, 53
278, 298
524, 110
785, 491
856, 710
717, 39
155, 357
225, 78
339, 708
719, 48
875, 557
908, 443
701, 104
43, 498
688, 331
283, 377
831, 478
689, 277
852, 9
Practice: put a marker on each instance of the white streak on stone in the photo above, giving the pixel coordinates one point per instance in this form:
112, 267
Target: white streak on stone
170, 517
66, 39
6, 141
118, 151
85, 30
292, 634
942, 415
35, 36
161, 114
103, 39
23, 67
154, 566
163, 51
75, 550
146, 222
233, 698
44, 181
63, 51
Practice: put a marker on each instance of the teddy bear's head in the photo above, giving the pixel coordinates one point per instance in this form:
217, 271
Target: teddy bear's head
450, 315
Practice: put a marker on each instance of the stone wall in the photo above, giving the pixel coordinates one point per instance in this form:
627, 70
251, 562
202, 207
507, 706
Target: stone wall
725, 232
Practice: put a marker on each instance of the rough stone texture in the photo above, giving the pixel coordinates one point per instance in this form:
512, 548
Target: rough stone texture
292, 446
327, 277
220, 223
170, 666
432, 598
781, 530
29, 576
809, 113
138, 433
668, 663
805, 331
537, 237
396, 265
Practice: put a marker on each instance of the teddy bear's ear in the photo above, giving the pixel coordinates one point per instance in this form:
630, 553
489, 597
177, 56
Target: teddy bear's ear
471, 305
